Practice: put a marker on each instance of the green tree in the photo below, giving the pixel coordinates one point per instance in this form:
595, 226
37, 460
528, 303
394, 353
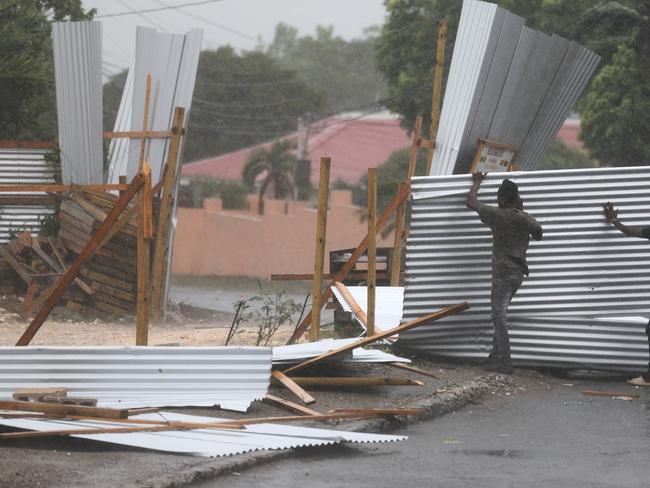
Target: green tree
343, 71
26, 65
559, 156
277, 165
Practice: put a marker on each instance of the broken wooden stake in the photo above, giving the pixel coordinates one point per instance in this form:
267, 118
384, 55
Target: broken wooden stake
292, 386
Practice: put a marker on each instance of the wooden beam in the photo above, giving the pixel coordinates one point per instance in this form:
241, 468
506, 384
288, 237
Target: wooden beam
27, 144
143, 260
406, 367
372, 250
610, 394
291, 406
355, 381
145, 122
413, 152
151, 134
59, 267
161, 246
354, 305
293, 387
399, 239
356, 254
450, 310
63, 410
73, 271
56, 188
319, 259
437, 91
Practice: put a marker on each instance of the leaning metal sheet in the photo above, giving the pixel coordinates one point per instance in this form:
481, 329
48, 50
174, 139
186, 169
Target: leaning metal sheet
296, 353
78, 75
582, 272
207, 442
129, 377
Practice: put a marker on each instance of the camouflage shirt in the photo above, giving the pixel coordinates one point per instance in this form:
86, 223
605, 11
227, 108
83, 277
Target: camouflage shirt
511, 230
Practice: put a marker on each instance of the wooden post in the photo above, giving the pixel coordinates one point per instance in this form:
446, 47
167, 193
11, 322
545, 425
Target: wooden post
73, 271
161, 246
122, 181
356, 254
372, 248
143, 258
145, 122
321, 228
413, 153
437, 91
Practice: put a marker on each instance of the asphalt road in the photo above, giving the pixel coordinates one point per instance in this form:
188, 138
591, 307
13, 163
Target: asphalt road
539, 438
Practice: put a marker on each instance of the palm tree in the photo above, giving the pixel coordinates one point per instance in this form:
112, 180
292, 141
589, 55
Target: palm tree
277, 164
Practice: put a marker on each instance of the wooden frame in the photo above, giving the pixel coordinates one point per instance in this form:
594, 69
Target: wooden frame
492, 156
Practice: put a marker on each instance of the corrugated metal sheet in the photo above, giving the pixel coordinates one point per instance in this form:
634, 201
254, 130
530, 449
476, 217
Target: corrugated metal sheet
208, 443
389, 301
78, 77
24, 166
296, 353
582, 271
172, 61
128, 377
507, 83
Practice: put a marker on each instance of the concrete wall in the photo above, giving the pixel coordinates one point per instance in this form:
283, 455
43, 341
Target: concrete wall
213, 241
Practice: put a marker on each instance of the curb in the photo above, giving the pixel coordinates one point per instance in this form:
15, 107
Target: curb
436, 405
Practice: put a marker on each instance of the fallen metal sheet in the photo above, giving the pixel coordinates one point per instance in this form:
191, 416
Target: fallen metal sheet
25, 166
507, 83
172, 61
389, 301
206, 442
296, 353
583, 270
130, 377
78, 76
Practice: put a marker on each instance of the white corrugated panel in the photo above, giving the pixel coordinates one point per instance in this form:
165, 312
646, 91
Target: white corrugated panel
129, 377
389, 301
78, 77
25, 166
172, 61
295, 353
206, 442
583, 270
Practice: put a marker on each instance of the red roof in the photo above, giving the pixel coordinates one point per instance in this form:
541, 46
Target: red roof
569, 134
355, 143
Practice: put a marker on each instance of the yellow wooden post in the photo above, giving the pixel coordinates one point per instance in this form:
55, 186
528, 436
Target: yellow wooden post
321, 228
372, 247
437, 91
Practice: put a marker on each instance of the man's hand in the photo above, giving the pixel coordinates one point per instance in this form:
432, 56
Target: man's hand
472, 198
611, 213
478, 178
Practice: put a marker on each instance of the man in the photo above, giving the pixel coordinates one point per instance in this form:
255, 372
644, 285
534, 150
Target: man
511, 231
611, 214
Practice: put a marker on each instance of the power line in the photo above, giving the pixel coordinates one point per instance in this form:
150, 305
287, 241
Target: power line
156, 9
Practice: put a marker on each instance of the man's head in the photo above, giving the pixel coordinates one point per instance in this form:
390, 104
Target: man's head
508, 194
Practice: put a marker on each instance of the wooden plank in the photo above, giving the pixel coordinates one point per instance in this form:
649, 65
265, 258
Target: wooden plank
53, 408
27, 144
291, 406
356, 254
59, 267
291, 385
27, 200
15, 265
610, 394
319, 259
437, 90
354, 305
39, 392
143, 267
399, 239
147, 208
451, 309
66, 280
372, 250
406, 367
55, 188
425, 143
161, 245
134, 134
97, 213
413, 152
354, 381
103, 278
145, 122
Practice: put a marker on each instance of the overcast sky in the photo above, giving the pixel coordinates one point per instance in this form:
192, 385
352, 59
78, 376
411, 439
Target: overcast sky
239, 23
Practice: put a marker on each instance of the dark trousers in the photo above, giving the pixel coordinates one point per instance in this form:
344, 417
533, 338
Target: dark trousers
502, 292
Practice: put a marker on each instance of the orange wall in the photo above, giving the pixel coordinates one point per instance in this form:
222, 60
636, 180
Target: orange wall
211, 241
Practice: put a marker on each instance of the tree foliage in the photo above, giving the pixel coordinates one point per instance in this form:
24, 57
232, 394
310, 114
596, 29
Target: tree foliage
26, 65
559, 156
343, 71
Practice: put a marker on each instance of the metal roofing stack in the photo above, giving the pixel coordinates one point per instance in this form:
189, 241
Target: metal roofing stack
507, 83
389, 301
78, 77
129, 377
25, 165
172, 61
206, 442
584, 274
